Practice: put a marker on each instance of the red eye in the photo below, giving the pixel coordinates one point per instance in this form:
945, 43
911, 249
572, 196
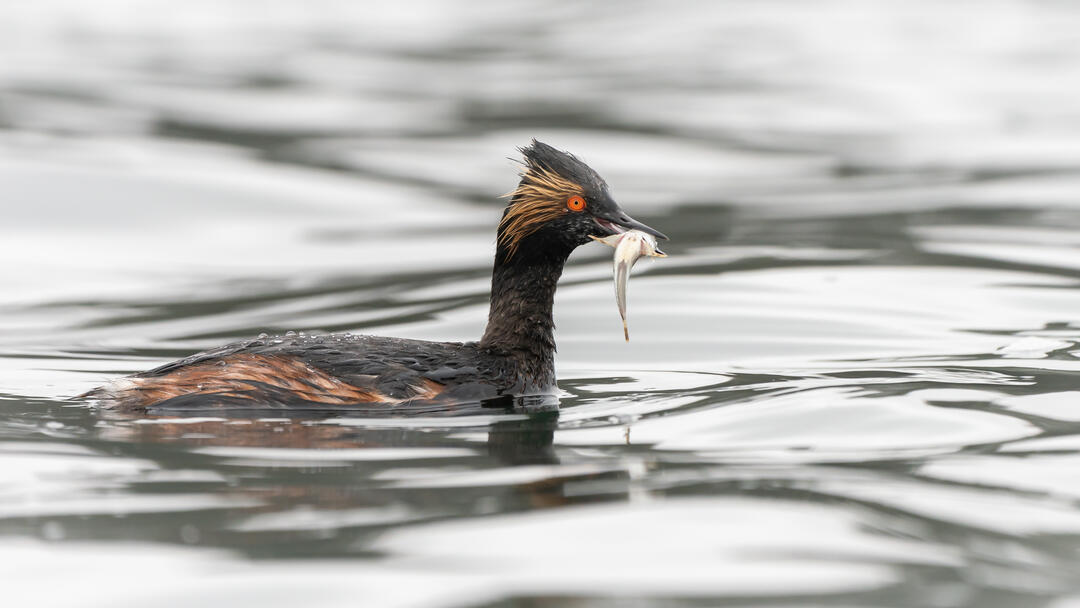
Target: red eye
575, 203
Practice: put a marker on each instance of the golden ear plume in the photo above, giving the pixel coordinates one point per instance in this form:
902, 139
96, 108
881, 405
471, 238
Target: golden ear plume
539, 198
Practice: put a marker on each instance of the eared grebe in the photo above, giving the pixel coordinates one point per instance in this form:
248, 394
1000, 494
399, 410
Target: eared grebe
558, 205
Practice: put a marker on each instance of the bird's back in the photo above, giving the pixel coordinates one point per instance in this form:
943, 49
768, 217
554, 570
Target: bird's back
333, 370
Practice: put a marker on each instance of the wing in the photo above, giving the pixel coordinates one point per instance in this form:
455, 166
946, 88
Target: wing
327, 370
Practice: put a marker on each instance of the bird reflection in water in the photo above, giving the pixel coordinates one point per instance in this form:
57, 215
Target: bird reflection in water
272, 473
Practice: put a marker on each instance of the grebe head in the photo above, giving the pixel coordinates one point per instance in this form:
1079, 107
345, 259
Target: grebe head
559, 203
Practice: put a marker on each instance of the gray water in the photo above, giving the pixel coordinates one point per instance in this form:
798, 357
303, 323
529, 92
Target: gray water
854, 382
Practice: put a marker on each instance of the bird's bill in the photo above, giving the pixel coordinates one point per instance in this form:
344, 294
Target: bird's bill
618, 223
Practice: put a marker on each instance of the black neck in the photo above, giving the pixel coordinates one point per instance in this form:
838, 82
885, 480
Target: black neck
519, 320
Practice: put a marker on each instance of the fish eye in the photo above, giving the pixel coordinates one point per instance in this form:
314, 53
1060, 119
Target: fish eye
575, 203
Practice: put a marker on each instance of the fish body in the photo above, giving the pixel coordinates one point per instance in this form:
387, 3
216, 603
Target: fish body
629, 247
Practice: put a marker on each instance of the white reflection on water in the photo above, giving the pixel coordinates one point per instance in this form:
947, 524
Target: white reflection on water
735, 546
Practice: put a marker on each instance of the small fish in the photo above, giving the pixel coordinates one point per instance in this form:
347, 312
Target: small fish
629, 246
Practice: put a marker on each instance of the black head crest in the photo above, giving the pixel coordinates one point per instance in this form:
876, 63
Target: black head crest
550, 177
542, 156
